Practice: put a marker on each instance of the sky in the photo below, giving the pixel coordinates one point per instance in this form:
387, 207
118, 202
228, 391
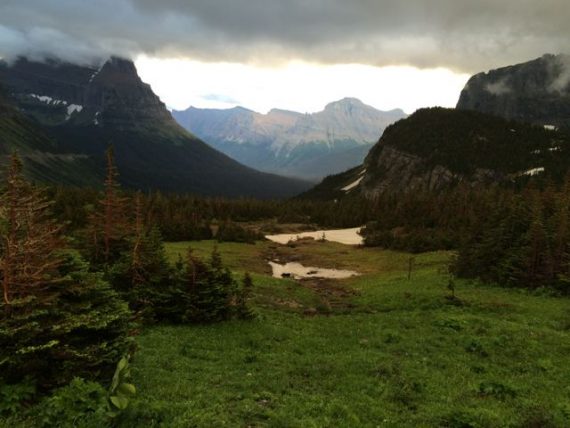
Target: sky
293, 54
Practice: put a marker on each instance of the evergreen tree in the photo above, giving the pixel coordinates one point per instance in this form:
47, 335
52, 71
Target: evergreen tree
32, 241
110, 227
57, 320
242, 308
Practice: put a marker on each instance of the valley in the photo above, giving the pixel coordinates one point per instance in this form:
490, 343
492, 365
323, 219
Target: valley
377, 349
221, 214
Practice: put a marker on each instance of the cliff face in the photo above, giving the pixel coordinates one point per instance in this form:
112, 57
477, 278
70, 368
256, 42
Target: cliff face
112, 94
304, 145
84, 109
395, 171
438, 148
536, 92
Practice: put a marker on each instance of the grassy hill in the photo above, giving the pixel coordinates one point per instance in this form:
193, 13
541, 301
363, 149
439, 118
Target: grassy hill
376, 350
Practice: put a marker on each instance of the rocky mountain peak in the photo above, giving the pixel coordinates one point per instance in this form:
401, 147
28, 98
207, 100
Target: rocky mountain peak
537, 91
346, 105
116, 94
60, 93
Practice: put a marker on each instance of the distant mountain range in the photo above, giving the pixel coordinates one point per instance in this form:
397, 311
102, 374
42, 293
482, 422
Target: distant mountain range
308, 146
61, 118
511, 125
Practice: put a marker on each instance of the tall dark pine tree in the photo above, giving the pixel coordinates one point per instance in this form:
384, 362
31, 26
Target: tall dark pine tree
110, 226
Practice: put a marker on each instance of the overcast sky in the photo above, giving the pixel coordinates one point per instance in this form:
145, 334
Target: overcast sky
292, 53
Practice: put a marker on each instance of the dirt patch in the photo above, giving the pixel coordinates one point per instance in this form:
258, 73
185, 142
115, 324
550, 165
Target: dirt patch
335, 298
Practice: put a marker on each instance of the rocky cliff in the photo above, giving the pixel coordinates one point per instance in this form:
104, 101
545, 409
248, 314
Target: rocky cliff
437, 148
536, 92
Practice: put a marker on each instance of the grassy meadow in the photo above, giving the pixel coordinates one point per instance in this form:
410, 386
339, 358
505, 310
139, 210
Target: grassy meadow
374, 350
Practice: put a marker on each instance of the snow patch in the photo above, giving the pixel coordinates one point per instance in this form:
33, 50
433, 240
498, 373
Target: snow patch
95, 74
42, 98
47, 100
550, 127
534, 171
72, 108
352, 185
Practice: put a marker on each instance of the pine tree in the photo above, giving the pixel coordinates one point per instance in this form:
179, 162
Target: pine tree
142, 272
538, 261
243, 310
32, 241
215, 291
110, 226
57, 320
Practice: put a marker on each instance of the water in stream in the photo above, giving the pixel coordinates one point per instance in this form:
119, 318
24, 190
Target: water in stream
342, 236
298, 271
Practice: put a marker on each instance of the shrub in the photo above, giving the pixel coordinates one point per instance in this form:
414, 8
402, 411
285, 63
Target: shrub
80, 404
233, 232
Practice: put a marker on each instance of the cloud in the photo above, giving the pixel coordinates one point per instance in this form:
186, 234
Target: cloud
500, 87
220, 98
561, 72
464, 35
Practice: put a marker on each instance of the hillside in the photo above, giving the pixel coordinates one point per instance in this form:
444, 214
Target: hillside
537, 91
437, 148
310, 146
41, 155
86, 109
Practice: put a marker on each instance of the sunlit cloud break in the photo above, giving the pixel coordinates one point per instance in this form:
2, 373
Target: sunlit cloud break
297, 85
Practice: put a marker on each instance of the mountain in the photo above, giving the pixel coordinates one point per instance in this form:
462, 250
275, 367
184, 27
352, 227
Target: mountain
44, 162
437, 148
82, 110
537, 92
310, 146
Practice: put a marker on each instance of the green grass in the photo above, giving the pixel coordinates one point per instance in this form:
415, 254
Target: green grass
402, 355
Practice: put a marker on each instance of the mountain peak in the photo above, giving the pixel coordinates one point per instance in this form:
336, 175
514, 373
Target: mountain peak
344, 103
536, 91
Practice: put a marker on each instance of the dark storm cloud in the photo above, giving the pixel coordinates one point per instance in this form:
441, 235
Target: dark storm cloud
465, 35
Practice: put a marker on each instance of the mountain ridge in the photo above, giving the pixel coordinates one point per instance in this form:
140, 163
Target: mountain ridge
284, 141
437, 148
85, 109
537, 91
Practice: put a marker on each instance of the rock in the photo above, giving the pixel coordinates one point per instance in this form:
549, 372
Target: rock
537, 92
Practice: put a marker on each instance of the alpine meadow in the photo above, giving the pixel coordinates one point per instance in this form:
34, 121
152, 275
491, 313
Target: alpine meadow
284, 214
